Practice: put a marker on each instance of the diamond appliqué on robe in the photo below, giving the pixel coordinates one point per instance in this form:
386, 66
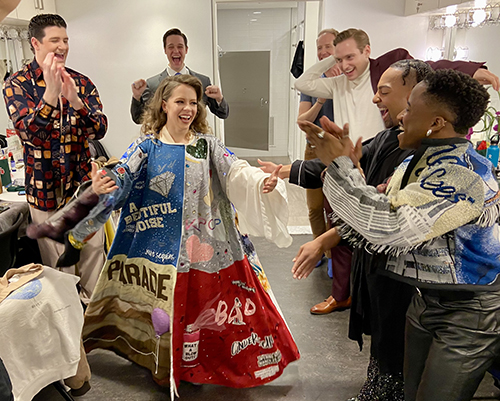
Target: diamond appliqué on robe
162, 183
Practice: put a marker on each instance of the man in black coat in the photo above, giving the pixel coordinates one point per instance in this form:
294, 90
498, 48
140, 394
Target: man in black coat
379, 303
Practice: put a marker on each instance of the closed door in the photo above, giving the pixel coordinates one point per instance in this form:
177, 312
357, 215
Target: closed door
245, 82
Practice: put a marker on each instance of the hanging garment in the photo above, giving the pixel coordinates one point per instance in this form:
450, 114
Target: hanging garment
298, 60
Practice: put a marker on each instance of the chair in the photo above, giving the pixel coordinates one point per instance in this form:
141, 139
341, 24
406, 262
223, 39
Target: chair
8, 245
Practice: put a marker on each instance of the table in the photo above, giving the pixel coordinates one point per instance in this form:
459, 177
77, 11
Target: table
14, 196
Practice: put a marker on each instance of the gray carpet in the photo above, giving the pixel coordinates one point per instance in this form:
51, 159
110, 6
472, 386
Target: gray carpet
331, 367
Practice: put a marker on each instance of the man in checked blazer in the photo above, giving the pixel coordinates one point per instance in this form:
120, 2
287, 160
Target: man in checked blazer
176, 48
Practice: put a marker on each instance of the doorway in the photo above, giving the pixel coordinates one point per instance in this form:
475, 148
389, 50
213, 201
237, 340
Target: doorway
245, 78
259, 36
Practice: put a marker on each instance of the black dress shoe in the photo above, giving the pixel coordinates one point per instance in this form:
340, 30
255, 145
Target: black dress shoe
77, 392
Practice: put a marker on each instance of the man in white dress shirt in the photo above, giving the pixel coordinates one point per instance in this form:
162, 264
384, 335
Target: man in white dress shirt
353, 91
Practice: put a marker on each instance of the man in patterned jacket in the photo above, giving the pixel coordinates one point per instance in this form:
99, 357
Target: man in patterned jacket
56, 111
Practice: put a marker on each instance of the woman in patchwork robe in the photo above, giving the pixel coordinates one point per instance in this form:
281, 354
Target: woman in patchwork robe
183, 292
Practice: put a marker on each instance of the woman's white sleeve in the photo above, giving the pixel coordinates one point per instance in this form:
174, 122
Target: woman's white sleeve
259, 214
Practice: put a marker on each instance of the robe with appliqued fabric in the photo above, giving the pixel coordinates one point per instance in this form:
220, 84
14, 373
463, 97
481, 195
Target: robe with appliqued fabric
183, 292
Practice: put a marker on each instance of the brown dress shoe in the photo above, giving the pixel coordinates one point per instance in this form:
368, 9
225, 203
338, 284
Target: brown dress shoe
329, 305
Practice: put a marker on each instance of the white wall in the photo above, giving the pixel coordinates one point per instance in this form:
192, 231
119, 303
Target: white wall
388, 28
482, 43
115, 42
382, 20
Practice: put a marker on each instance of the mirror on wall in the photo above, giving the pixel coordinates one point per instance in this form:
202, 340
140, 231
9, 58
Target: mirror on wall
15, 52
14, 49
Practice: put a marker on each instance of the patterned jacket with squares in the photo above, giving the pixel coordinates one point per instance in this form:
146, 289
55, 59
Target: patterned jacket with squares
56, 149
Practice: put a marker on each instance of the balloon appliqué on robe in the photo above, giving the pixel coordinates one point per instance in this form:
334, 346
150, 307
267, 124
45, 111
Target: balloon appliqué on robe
161, 324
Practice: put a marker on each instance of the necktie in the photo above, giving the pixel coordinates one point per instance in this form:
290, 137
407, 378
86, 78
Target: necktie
177, 73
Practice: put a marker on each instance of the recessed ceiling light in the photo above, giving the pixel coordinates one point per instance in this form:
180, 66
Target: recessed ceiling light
257, 12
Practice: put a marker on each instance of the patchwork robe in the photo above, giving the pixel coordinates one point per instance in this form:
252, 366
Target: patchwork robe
183, 292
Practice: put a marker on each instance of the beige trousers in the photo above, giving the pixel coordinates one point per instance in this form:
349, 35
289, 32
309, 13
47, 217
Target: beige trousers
91, 262
82, 372
315, 202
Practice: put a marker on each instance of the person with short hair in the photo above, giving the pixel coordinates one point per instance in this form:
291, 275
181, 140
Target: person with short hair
175, 46
56, 110
438, 224
352, 91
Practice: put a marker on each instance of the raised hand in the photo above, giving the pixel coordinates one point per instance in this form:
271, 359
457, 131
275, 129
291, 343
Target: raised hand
271, 181
138, 88
214, 92
487, 78
329, 142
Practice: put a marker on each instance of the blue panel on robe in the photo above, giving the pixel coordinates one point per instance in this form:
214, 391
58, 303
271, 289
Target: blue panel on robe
157, 207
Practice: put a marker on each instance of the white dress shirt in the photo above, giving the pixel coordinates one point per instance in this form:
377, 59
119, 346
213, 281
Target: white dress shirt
352, 100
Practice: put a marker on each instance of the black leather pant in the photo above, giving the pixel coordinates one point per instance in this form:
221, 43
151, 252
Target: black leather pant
452, 338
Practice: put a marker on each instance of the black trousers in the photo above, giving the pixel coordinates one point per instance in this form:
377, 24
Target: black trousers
389, 301
452, 338
379, 305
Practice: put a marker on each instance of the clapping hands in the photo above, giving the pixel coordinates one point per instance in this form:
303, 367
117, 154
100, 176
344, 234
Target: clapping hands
331, 141
59, 81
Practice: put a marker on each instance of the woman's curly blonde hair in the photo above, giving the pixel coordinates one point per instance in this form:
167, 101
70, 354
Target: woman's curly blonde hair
155, 118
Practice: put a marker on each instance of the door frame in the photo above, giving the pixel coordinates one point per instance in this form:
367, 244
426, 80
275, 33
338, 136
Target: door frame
313, 24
